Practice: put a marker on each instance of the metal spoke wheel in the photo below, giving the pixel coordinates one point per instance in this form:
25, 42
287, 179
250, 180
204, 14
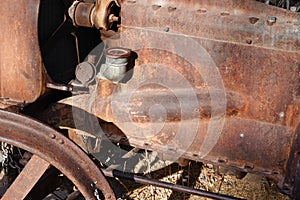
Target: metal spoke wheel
49, 147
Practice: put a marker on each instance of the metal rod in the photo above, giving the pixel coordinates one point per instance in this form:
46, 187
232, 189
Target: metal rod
179, 188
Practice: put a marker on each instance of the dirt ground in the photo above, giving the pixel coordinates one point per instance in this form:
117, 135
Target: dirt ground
250, 187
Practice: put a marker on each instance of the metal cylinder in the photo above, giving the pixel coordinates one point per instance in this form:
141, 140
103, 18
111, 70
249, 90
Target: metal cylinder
115, 65
85, 73
81, 13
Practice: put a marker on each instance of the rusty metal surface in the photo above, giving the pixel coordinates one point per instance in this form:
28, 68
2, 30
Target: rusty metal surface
258, 62
253, 109
56, 149
256, 50
239, 21
21, 69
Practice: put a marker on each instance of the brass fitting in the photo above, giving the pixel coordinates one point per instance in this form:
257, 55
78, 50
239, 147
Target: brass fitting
93, 14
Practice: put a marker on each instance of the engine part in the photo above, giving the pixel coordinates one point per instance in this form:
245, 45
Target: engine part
115, 65
81, 13
62, 87
85, 73
20, 67
256, 95
93, 15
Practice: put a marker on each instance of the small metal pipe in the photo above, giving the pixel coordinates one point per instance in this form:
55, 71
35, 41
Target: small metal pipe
62, 87
179, 188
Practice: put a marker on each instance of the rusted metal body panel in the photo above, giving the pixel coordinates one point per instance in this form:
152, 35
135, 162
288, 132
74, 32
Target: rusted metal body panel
256, 60
21, 72
213, 81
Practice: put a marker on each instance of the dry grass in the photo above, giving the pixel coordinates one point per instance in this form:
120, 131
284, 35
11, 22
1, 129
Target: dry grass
204, 178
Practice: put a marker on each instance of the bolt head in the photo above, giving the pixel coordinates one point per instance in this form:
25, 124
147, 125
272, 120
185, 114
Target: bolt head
253, 20
281, 114
271, 20
52, 136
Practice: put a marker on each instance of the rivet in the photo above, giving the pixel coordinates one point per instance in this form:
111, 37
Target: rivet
249, 166
172, 149
60, 141
275, 172
281, 114
156, 7
253, 20
108, 134
293, 8
201, 10
171, 9
131, 1
242, 135
123, 139
52, 136
222, 160
166, 29
225, 13
271, 20
249, 41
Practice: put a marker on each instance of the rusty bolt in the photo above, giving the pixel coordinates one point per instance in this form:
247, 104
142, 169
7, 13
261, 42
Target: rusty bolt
225, 13
131, 1
166, 29
52, 136
172, 149
123, 140
156, 7
146, 144
281, 114
202, 10
222, 160
253, 20
171, 9
271, 20
112, 18
61, 141
293, 8
249, 41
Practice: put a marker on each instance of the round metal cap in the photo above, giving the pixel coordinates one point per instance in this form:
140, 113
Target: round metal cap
117, 52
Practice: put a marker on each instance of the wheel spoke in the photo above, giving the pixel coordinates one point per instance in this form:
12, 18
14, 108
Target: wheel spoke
26, 180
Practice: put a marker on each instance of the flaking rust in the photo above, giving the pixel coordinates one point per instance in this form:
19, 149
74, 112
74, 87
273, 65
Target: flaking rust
255, 49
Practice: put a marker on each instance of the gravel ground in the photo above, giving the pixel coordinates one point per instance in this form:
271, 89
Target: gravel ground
250, 187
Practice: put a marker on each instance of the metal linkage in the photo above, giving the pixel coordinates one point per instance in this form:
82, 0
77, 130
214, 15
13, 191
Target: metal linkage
179, 188
93, 15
